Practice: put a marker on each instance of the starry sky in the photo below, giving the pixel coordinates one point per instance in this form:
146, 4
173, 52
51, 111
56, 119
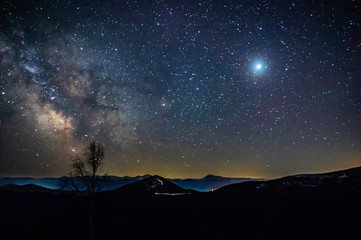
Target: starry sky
248, 88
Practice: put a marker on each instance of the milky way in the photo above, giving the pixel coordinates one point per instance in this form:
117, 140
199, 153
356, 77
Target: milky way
180, 88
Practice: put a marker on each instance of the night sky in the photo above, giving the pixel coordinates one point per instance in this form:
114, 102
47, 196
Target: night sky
242, 88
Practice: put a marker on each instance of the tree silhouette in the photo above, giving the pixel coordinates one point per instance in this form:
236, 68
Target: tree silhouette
84, 176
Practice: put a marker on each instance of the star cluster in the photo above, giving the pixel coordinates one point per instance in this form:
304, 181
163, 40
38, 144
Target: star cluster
180, 88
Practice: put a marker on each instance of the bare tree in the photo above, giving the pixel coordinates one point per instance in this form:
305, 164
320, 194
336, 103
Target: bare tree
84, 176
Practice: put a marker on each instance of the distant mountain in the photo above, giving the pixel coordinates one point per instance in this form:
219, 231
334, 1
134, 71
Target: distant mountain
153, 185
113, 182
213, 177
344, 180
50, 183
208, 183
26, 188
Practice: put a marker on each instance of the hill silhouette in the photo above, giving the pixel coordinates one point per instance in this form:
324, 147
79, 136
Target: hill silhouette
26, 188
152, 185
342, 180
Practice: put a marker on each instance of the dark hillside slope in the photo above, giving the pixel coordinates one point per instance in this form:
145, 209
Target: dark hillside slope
152, 185
344, 180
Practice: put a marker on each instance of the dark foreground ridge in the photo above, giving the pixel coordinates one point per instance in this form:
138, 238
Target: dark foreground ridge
313, 206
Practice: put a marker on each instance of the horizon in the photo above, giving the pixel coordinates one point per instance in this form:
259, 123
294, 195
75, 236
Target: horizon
210, 174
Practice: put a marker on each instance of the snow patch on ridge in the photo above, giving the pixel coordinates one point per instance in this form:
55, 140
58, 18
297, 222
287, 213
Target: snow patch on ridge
171, 194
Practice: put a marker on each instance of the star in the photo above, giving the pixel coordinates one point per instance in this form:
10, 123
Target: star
258, 67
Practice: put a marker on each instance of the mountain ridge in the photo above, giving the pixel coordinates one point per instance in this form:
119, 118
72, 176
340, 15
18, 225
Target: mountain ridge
346, 179
203, 184
208, 183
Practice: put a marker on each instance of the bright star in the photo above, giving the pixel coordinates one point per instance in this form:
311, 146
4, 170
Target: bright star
259, 67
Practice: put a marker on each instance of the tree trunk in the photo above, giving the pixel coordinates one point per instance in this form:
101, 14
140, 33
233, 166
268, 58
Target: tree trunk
91, 217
